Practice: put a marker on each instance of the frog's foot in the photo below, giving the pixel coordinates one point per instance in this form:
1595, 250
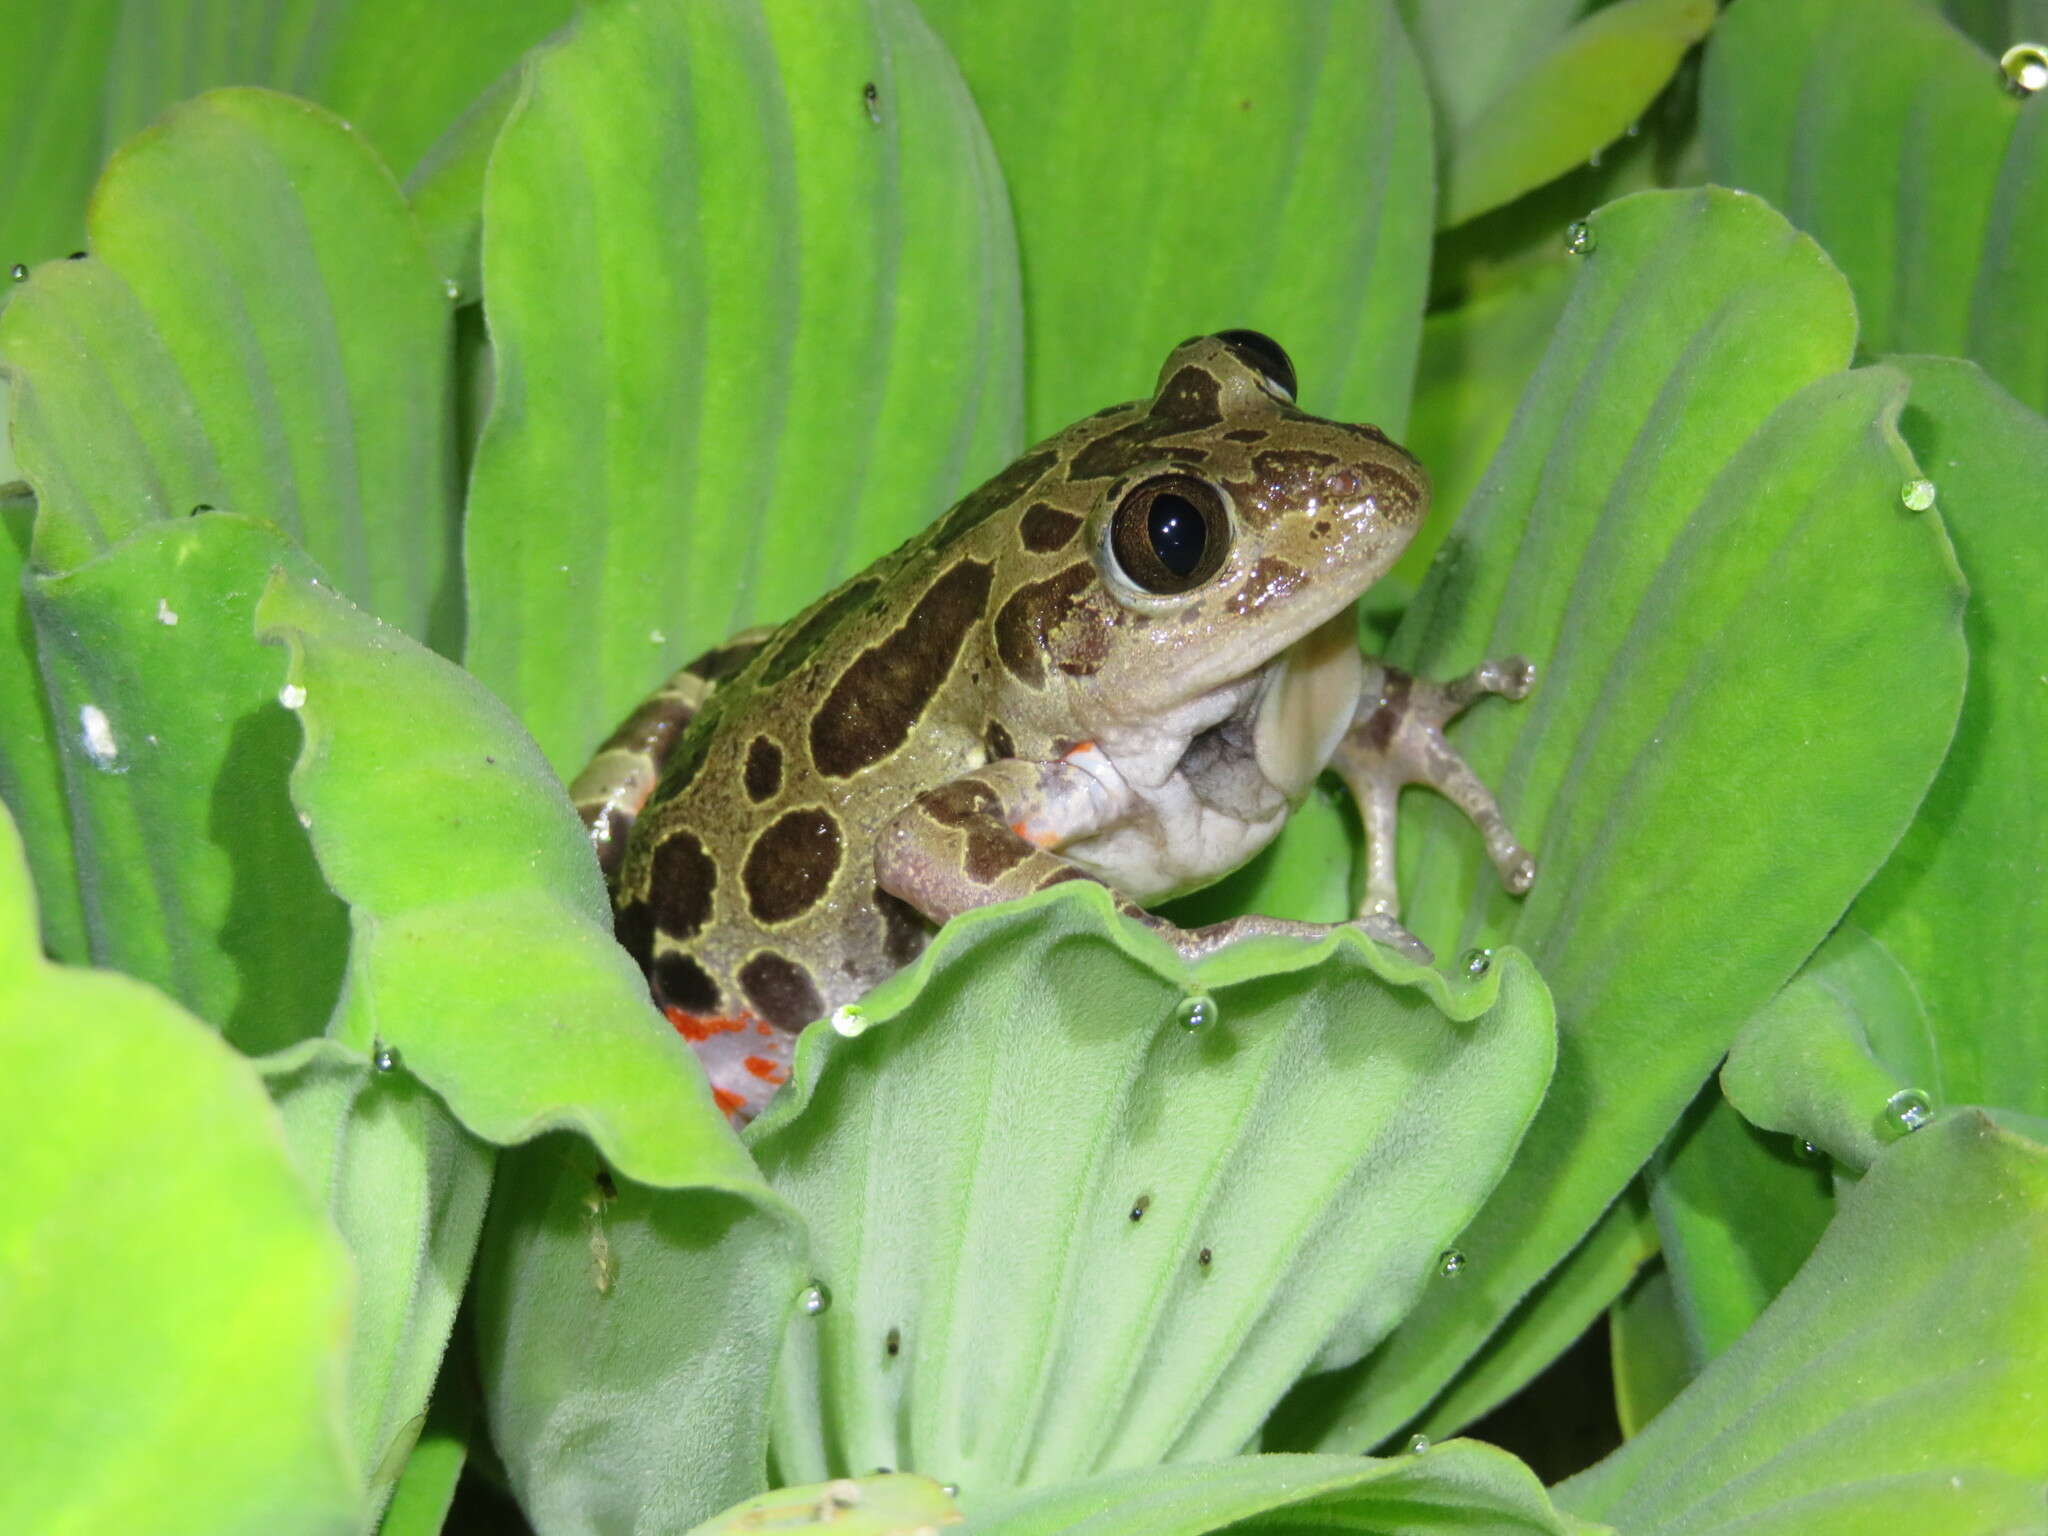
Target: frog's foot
1195, 943
1396, 739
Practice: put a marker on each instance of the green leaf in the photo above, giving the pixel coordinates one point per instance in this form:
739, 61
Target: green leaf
482, 947
1466, 1487
298, 372
1663, 532
1471, 50
627, 1336
175, 1300
1889, 136
1062, 1233
31, 781
1187, 168
425, 1490
1737, 1213
1476, 362
1646, 1338
406, 1186
1996, 24
1548, 115
1563, 1305
1956, 905
175, 751
803, 344
50, 146
1808, 1062
1901, 1370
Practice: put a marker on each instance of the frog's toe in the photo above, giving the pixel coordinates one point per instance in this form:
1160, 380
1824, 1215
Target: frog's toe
1384, 928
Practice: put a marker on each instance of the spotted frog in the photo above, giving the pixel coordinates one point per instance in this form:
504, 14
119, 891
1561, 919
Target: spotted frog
1126, 658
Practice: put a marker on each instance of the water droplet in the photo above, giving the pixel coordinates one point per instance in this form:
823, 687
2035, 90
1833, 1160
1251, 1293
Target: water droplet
306, 820
1593, 160
2026, 67
1918, 495
1579, 239
816, 1299
849, 1020
1417, 1444
1476, 963
1810, 1152
1196, 1012
385, 1059
292, 696
453, 289
1908, 1109
1204, 1258
950, 1490
871, 98
892, 1346
656, 637
165, 614
1140, 1206
18, 272
96, 733
1450, 1263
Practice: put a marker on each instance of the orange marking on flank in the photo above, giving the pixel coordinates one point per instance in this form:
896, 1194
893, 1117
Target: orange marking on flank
728, 1101
698, 1027
1042, 838
763, 1068
1077, 749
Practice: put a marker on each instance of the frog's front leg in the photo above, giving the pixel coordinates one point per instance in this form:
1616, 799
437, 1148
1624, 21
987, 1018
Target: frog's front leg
1397, 738
989, 836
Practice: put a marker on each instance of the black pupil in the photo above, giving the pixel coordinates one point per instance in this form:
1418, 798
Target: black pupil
1178, 532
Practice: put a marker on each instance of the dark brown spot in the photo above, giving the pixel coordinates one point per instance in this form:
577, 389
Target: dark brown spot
1366, 430
1046, 529
680, 982
998, 742
1384, 721
763, 775
680, 883
1005, 490
1247, 434
972, 807
1025, 625
724, 661
1191, 397
802, 642
1322, 527
1270, 580
1061, 877
878, 698
651, 727
904, 930
781, 991
633, 923
791, 864
893, 1344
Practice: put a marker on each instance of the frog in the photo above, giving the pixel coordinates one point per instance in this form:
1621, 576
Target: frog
1126, 658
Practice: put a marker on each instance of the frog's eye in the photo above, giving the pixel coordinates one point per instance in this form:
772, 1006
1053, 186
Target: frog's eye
1170, 533
1262, 354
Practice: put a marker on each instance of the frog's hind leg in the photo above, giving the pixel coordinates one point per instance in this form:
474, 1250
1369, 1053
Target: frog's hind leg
610, 791
1397, 738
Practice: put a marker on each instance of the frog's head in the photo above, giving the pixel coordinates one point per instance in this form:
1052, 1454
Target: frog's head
1221, 526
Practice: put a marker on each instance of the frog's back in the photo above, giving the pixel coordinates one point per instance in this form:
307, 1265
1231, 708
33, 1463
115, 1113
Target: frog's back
747, 890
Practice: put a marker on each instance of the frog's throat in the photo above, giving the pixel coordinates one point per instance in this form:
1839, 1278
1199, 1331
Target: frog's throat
1311, 693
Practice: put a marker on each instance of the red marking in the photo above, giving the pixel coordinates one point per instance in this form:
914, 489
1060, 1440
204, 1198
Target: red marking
1077, 749
763, 1068
728, 1101
766, 1031
698, 1027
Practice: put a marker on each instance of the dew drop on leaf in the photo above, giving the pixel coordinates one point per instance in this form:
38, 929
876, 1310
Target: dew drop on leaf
1417, 1444
1476, 962
1918, 495
1196, 1012
1140, 1206
1579, 239
385, 1059
18, 272
1908, 1109
849, 1020
1450, 1263
815, 1300
2026, 67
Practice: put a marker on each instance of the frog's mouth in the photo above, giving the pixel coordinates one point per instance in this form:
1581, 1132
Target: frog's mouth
1311, 692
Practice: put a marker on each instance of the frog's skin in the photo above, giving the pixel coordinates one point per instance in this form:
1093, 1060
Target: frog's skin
1010, 700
